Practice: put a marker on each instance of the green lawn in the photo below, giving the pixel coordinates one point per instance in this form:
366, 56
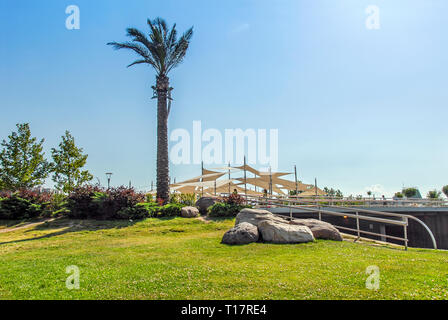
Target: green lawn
183, 259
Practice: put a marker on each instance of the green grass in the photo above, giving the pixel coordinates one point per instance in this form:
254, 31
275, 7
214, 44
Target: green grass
184, 259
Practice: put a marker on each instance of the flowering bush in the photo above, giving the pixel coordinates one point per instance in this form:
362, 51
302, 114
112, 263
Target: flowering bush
93, 202
35, 196
117, 199
234, 198
87, 202
82, 204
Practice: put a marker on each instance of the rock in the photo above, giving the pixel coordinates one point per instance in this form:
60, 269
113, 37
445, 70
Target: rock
203, 203
255, 216
280, 232
320, 229
189, 212
243, 233
278, 229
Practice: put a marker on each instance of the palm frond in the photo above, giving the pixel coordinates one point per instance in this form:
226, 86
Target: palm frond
132, 46
180, 50
138, 62
161, 49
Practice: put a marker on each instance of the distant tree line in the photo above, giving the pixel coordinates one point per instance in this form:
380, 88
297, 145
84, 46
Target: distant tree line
333, 192
412, 192
23, 164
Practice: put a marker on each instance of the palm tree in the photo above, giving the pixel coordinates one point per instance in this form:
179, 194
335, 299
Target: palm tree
163, 51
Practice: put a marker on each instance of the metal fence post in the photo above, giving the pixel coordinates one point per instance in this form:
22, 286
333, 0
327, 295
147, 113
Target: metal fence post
405, 219
357, 226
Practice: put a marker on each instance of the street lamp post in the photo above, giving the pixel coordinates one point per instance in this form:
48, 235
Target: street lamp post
108, 175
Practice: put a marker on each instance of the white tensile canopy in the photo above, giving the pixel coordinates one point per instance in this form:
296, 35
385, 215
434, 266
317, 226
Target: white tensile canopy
210, 183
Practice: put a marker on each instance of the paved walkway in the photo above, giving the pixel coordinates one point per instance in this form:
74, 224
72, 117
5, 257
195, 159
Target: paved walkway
26, 225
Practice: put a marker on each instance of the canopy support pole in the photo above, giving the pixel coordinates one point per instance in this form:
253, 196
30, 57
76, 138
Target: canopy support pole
295, 174
245, 184
229, 178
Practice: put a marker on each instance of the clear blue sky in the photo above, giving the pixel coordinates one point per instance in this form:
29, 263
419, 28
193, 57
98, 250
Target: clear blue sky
354, 107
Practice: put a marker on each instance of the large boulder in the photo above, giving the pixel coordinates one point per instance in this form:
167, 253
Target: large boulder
320, 229
189, 212
277, 232
255, 216
243, 233
204, 202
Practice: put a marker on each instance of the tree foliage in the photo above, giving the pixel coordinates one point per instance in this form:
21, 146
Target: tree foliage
445, 190
410, 192
67, 165
398, 195
333, 193
162, 50
22, 162
434, 194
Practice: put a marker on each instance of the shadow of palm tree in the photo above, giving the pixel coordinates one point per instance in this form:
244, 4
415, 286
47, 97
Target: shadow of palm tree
15, 223
64, 226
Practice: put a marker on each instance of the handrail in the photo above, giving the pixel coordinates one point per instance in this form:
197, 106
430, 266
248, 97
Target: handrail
318, 210
397, 215
386, 202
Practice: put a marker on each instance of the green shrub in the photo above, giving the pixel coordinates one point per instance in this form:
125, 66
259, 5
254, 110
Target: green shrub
150, 209
134, 213
220, 209
56, 207
170, 210
185, 199
16, 208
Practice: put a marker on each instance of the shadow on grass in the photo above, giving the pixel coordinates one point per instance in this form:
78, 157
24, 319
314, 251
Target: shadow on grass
64, 226
7, 224
215, 219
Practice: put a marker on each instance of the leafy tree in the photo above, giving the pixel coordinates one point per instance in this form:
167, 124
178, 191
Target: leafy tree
333, 193
22, 162
369, 193
434, 194
398, 195
162, 51
68, 161
410, 192
445, 190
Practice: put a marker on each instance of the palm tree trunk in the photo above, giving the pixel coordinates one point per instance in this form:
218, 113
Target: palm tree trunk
162, 138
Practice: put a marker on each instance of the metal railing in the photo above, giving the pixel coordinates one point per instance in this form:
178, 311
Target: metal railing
368, 202
403, 218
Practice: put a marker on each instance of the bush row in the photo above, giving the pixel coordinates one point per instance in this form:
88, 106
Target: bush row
88, 202
92, 202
